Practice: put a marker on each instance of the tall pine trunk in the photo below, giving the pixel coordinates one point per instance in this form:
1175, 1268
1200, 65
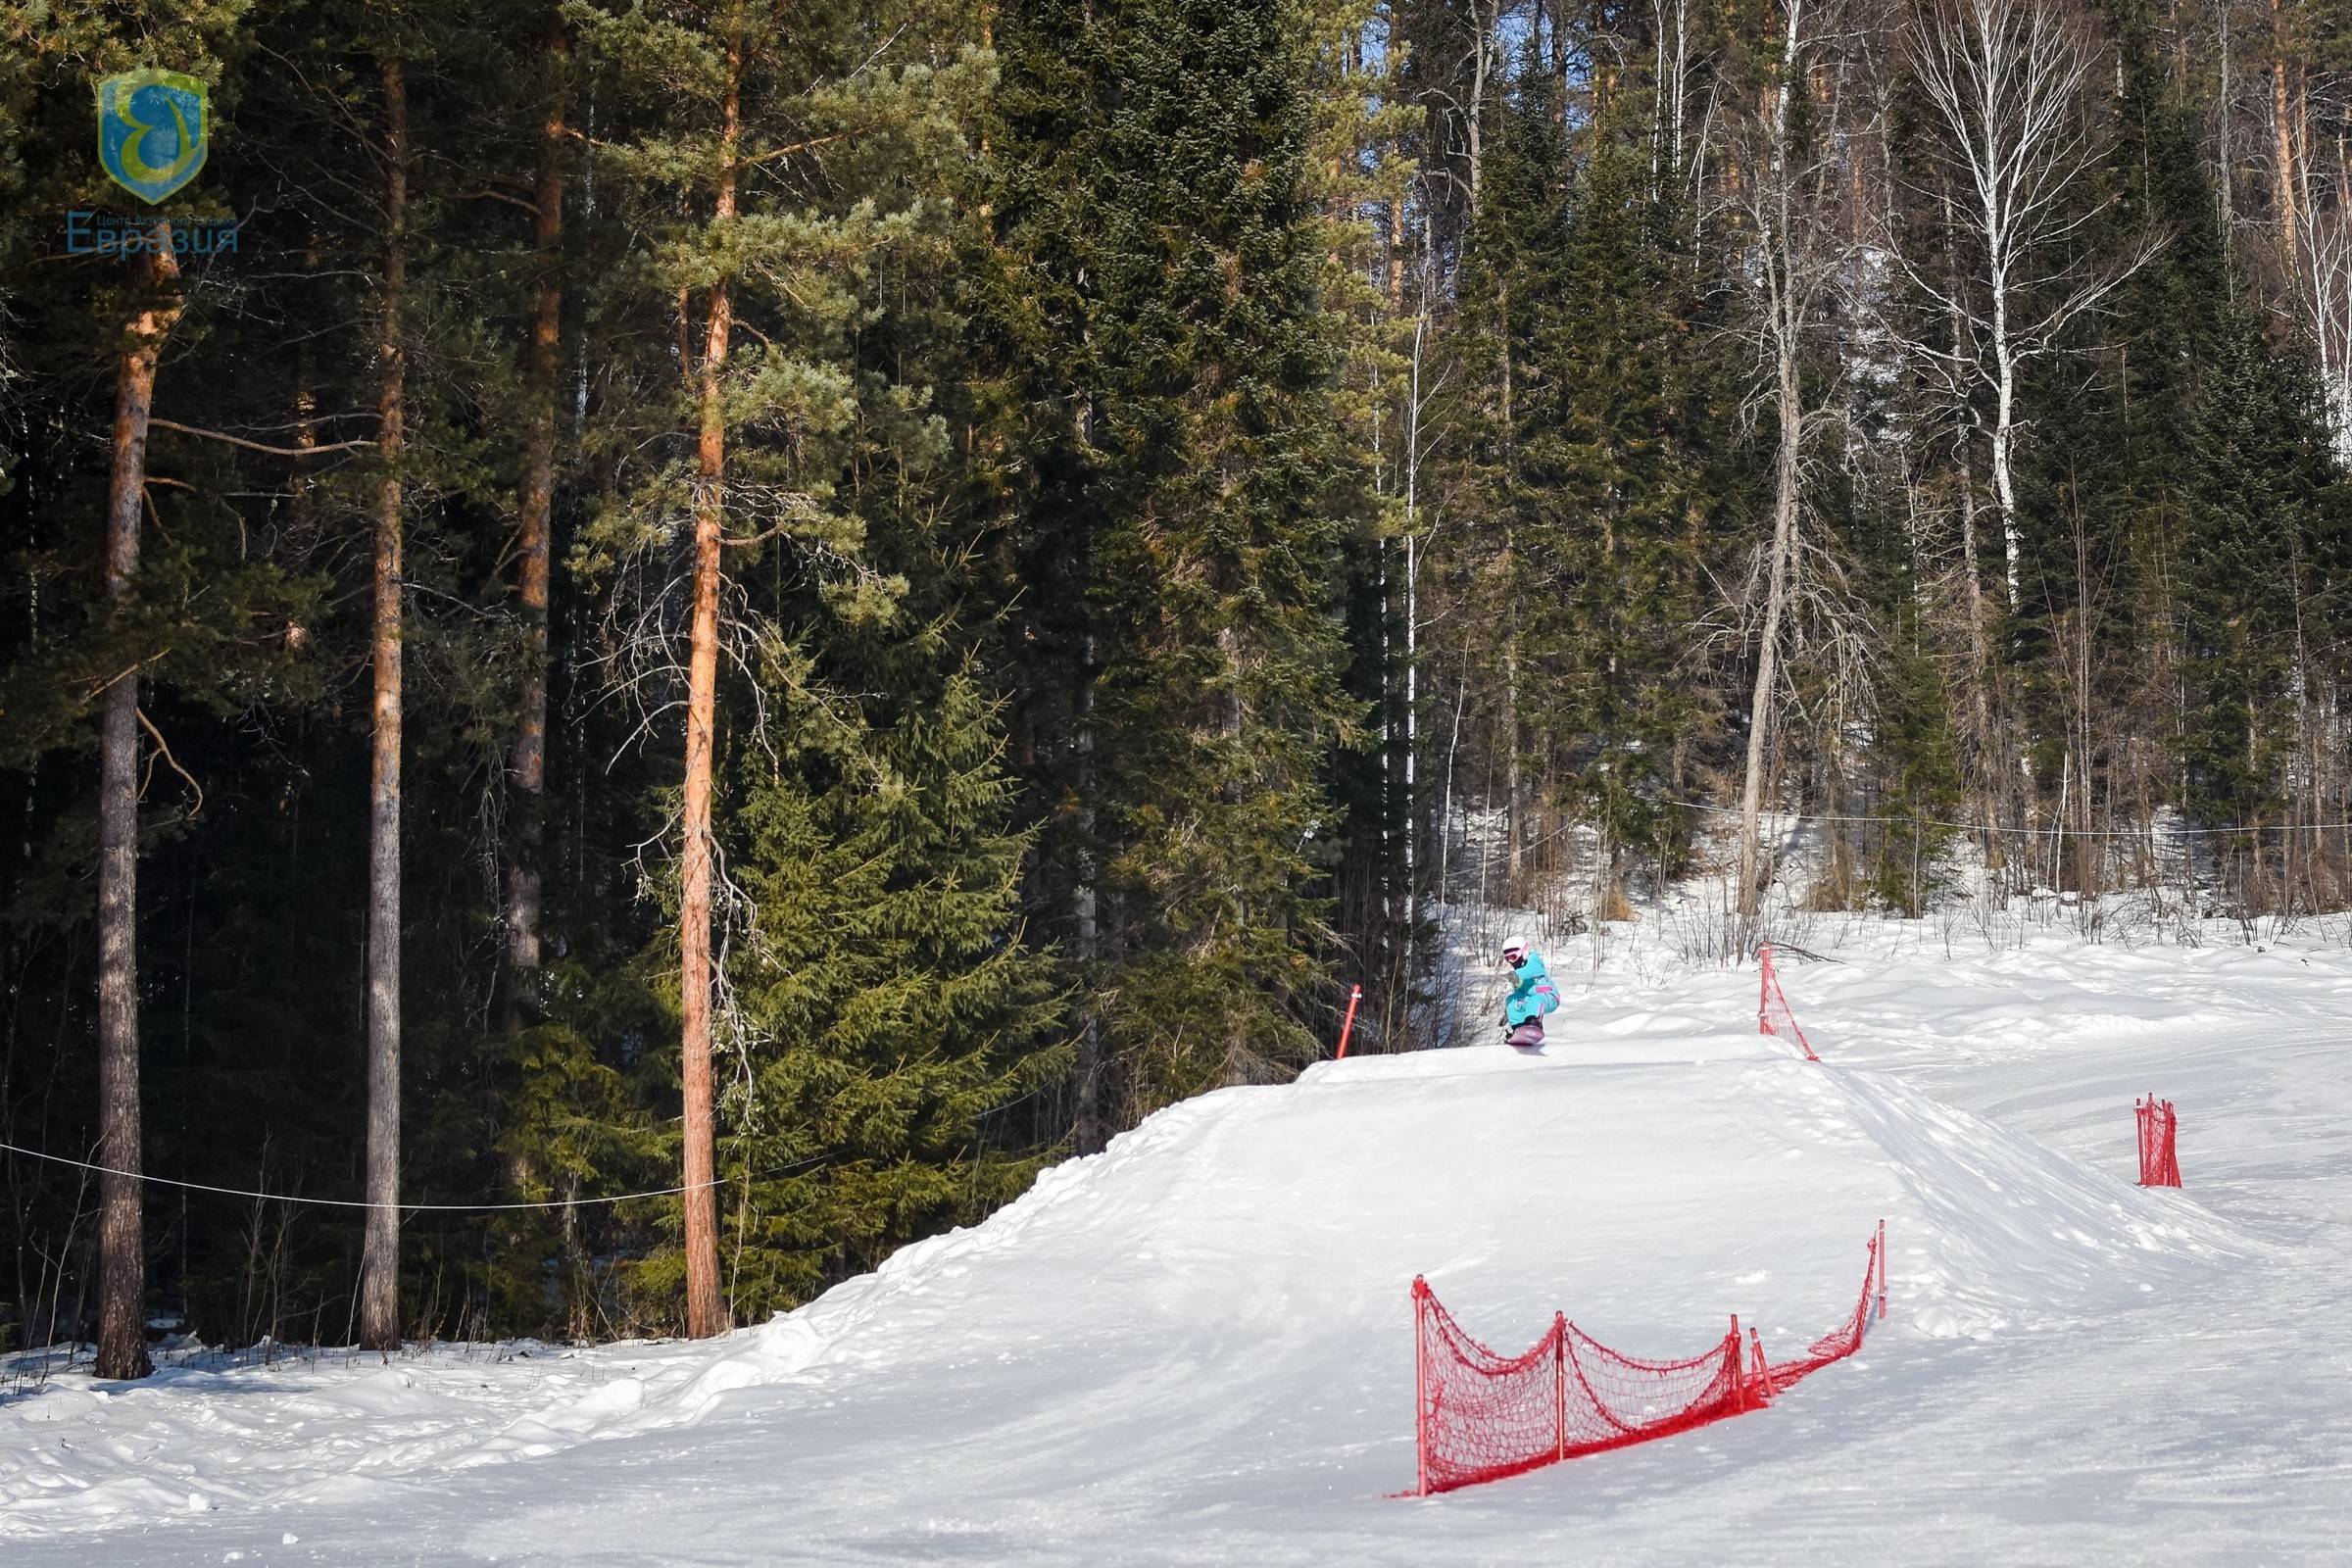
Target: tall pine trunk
1090, 1129
528, 765
379, 1258
705, 1313
121, 1238
2283, 141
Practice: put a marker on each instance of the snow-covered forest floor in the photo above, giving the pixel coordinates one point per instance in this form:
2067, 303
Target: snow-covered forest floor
1197, 1347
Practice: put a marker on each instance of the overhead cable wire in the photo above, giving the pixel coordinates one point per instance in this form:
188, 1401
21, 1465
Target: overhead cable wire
352, 1202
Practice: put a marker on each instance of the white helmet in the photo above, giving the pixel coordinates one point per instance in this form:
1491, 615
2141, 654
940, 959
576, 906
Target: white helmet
1520, 943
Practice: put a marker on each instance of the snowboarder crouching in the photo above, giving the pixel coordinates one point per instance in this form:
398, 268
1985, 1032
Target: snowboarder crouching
1531, 994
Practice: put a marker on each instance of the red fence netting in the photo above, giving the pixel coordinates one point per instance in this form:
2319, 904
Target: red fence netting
1773, 1016
2159, 1142
1481, 1416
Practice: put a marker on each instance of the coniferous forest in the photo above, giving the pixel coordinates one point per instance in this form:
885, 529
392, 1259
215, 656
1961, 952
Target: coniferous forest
804, 608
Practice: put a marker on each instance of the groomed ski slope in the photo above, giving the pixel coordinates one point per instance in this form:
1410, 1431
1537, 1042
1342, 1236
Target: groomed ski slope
1196, 1348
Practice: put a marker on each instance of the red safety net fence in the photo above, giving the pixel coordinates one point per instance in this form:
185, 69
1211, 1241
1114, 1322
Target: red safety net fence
1481, 1416
2159, 1142
1773, 1016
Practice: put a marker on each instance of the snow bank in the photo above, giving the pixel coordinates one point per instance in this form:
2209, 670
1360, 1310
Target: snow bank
1211, 1317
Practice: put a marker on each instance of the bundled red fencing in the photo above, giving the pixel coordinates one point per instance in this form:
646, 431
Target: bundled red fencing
2159, 1142
1773, 1016
1481, 1416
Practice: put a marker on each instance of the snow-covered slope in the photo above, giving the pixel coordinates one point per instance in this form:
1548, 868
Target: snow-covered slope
1196, 1346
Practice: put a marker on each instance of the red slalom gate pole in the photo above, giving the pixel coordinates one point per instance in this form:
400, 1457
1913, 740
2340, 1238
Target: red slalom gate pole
1882, 1258
1740, 1383
1420, 1385
1559, 1379
1355, 994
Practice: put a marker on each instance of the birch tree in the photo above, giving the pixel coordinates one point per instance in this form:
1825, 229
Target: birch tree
1800, 253
2324, 290
2004, 82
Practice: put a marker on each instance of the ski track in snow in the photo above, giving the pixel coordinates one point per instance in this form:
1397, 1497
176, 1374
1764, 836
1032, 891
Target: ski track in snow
1196, 1348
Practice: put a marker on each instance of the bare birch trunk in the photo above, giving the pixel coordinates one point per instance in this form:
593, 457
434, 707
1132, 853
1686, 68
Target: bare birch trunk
1412, 638
543, 370
379, 1255
1514, 852
1979, 645
2226, 166
1477, 120
1786, 498
121, 1234
1514, 838
2004, 426
705, 1313
1783, 325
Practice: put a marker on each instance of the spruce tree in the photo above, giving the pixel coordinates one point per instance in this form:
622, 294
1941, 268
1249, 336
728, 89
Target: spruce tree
2263, 505
1196, 360
892, 1012
1612, 485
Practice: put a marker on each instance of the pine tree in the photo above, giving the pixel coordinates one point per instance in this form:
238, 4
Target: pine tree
768, 155
133, 307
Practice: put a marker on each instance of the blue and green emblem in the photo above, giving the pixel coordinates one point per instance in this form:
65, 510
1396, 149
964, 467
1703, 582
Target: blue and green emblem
153, 126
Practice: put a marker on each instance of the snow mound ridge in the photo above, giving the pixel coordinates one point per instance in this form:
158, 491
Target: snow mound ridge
1238, 1266
1586, 1176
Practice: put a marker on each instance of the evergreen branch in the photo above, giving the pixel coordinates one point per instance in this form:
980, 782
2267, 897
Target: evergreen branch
254, 446
109, 684
814, 143
531, 208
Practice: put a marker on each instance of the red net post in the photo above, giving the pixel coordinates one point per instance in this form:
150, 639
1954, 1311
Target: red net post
1559, 1385
2159, 1142
1773, 1014
1483, 1415
1742, 1390
1760, 1370
1878, 1255
1356, 995
1421, 1386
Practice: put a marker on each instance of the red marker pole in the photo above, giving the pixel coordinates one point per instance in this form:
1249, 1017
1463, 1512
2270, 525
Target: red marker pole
1420, 1385
1355, 994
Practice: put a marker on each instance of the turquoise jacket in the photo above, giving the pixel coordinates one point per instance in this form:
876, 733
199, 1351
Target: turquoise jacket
1532, 994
